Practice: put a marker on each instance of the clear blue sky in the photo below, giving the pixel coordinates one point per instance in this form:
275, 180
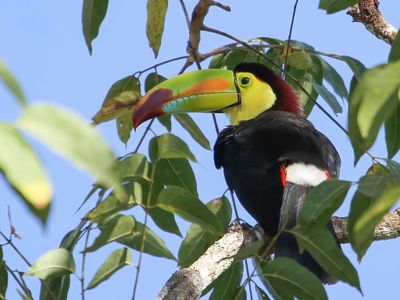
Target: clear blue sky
42, 44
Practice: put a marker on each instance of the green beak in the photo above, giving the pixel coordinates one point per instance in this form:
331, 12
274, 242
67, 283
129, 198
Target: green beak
198, 91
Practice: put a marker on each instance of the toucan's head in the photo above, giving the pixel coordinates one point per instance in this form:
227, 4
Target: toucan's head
241, 94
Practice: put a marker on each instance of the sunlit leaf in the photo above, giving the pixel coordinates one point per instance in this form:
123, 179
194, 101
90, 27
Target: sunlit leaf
191, 127
392, 132
395, 50
322, 201
55, 263
373, 185
189, 207
124, 126
393, 167
119, 228
178, 172
24, 172
333, 6
227, 285
69, 136
287, 277
156, 11
120, 100
319, 242
108, 207
93, 13
334, 79
153, 244
114, 262
135, 165
364, 226
198, 239
11, 83
374, 100
169, 146
299, 60
329, 98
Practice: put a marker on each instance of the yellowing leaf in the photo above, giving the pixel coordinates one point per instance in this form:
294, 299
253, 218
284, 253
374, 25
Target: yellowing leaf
11, 83
23, 170
156, 11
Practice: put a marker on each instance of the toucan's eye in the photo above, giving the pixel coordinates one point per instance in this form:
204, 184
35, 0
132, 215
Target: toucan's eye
245, 81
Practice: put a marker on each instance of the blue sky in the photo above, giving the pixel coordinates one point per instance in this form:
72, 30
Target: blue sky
42, 44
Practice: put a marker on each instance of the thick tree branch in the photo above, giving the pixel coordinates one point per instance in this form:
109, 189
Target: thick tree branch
188, 283
368, 13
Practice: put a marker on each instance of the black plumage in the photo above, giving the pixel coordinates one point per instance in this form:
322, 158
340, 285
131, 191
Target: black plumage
251, 154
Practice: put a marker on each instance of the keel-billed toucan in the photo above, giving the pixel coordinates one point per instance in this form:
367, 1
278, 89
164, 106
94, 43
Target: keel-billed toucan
271, 155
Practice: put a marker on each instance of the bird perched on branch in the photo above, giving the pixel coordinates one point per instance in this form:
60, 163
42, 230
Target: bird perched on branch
271, 155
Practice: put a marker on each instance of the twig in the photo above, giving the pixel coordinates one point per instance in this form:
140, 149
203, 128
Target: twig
19, 282
190, 282
84, 254
367, 12
289, 38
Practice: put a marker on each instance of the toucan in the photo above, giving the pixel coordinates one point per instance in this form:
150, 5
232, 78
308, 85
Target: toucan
272, 156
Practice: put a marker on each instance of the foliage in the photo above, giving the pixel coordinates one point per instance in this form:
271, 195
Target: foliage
162, 184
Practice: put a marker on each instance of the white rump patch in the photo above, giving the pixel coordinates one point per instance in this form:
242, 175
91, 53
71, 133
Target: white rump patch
302, 174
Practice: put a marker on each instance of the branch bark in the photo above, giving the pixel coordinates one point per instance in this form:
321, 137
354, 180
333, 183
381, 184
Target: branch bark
188, 283
367, 12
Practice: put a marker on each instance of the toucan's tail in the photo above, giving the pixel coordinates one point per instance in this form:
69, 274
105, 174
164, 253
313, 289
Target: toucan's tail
286, 244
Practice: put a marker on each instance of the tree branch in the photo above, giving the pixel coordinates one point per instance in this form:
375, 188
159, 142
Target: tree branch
188, 283
367, 12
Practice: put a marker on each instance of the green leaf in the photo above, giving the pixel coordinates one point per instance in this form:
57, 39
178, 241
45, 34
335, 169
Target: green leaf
373, 185
373, 101
334, 79
191, 127
3, 277
165, 121
329, 98
319, 242
359, 204
299, 59
11, 83
392, 132
121, 227
134, 166
55, 288
261, 294
178, 172
287, 277
124, 127
156, 11
55, 263
152, 80
115, 261
169, 146
93, 13
322, 201
395, 50
305, 79
393, 167
186, 205
355, 65
198, 239
227, 285
108, 207
120, 100
364, 227
217, 61
333, 6
164, 220
153, 245
24, 172
71, 137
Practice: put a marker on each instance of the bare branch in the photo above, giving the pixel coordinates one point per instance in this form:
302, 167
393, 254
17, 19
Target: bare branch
368, 13
188, 283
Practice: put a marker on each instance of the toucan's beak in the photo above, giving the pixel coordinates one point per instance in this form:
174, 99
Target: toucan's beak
198, 91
